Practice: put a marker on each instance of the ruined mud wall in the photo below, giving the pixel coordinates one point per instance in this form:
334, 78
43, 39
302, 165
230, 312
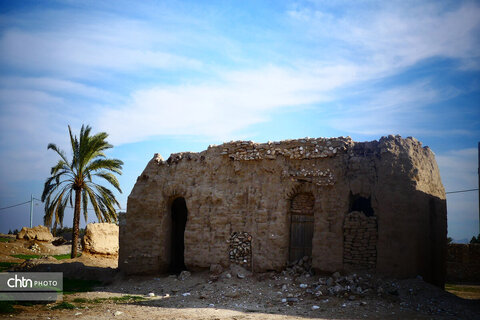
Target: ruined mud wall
463, 262
247, 188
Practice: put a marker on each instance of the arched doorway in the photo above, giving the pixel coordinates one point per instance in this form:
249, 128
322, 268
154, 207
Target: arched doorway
179, 220
301, 226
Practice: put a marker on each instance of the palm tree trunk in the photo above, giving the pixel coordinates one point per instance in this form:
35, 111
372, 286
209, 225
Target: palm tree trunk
54, 230
76, 223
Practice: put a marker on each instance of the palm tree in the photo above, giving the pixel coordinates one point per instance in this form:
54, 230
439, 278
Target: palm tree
75, 177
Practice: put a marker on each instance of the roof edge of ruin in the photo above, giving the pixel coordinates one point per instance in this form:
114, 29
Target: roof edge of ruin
348, 142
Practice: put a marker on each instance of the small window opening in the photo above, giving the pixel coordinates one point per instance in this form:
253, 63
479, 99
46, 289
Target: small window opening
362, 204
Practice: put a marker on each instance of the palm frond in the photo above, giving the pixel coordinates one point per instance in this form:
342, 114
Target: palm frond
110, 178
113, 165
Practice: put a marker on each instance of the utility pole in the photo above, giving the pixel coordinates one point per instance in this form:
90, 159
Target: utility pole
479, 189
31, 207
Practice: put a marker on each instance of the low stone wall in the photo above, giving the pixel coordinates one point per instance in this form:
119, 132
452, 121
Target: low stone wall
463, 262
360, 244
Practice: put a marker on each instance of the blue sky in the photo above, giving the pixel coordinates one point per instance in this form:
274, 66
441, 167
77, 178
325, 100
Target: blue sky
177, 76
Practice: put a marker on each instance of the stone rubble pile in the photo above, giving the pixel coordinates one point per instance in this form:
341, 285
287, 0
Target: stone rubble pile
349, 286
34, 247
307, 148
301, 267
240, 251
360, 240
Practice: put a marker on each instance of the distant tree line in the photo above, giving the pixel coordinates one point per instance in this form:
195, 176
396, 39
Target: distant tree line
475, 240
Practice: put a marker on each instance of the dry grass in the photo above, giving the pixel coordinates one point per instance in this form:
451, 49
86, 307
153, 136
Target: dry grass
464, 291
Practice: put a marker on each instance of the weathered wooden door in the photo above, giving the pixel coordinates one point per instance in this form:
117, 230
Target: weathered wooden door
301, 226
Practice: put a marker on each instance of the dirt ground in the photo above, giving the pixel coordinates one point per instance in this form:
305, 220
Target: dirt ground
231, 294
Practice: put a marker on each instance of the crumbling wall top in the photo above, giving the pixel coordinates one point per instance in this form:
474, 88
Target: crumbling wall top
299, 149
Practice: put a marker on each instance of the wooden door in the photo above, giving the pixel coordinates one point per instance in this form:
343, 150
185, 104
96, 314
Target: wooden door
301, 226
301, 234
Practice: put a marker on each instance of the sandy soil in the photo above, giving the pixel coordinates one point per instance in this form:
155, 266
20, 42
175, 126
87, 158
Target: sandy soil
203, 295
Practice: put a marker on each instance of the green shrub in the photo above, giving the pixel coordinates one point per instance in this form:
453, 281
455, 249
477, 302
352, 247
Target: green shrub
63, 305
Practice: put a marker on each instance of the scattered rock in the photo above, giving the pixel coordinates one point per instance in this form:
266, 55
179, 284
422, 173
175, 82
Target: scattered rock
302, 266
393, 292
117, 313
34, 247
151, 294
233, 294
239, 271
59, 241
216, 269
315, 307
184, 275
329, 282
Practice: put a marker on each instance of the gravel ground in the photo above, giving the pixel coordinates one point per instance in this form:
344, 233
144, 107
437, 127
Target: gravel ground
237, 294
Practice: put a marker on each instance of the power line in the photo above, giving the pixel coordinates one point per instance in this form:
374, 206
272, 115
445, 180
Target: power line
461, 191
15, 205
20, 204
65, 206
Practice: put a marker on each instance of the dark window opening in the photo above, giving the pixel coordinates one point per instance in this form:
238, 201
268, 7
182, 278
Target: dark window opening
362, 204
179, 221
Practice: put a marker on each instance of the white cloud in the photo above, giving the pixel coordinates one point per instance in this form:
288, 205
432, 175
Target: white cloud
219, 108
396, 35
89, 47
56, 86
395, 110
458, 169
30, 120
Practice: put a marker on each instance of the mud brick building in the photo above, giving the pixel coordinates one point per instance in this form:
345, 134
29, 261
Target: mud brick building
376, 205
